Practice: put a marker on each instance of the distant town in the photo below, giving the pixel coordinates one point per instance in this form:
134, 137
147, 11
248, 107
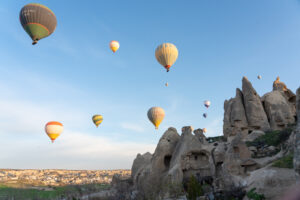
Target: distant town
57, 177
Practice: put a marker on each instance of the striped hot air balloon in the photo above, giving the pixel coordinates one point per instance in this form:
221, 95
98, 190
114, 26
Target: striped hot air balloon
54, 129
156, 116
38, 21
114, 45
97, 119
166, 54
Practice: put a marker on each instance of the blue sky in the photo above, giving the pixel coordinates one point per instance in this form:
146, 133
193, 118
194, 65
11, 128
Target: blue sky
73, 75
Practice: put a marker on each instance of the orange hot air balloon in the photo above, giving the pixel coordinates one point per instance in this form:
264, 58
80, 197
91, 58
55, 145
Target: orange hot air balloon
114, 45
204, 130
54, 129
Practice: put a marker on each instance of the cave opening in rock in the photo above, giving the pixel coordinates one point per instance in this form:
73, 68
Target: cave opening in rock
219, 169
236, 150
167, 160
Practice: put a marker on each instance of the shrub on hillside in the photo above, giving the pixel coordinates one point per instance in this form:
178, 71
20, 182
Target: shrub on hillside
285, 162
271, 138
194, 189
255, 196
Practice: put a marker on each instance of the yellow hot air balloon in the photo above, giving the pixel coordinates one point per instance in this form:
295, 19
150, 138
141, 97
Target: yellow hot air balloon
97, 119
156, 116
166, 54
114, 45
54, 129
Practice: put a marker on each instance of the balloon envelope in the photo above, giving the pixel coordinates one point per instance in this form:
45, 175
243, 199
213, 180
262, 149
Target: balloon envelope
97, 119
114, 45
156, 116
167, 84
38, 21
259, 77
204, 130
204, 115
206, 103
166, 54
54, 129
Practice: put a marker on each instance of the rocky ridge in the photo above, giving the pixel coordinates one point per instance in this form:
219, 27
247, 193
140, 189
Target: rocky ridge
256, 152
248, 111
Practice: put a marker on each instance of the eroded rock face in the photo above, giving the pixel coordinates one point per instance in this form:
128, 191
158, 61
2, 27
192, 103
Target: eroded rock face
148, 178
278, 110
256, 116
270, 181
253, 135
200, 135
163, 153
140, 162
190, 157
235, 120
227, 127
238, 116
287, 93
175, 158
238, 158
230, 163
278, 85
248, 112
297, 140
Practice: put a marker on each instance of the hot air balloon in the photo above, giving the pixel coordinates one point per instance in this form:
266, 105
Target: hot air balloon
259, 77
204, 130
206, 103
53, 129
38, 21
97, 119
156, 116
167, 84
166, 54
114, 45
204, 115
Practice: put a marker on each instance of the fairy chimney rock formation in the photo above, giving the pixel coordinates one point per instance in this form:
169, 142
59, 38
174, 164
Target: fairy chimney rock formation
278, 85
297, 139
256, 116
227, 162
247, 112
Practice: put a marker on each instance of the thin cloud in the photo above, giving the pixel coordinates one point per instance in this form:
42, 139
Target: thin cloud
132, 127
72, 150
25, 117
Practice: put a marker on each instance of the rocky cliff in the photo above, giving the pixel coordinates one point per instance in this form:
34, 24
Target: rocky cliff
248, 111
297, 140
257, 151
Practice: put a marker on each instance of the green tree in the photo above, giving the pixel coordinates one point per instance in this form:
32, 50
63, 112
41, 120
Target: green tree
194, 189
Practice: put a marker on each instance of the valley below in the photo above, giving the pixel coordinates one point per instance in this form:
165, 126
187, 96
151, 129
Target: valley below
56, 184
